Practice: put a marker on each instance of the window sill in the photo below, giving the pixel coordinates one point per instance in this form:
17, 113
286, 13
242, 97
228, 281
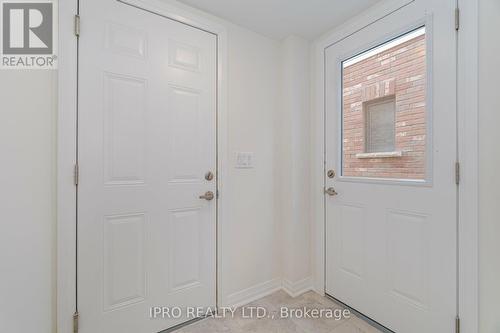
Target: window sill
380, 155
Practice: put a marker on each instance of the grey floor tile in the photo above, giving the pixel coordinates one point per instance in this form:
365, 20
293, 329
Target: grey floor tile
274, 323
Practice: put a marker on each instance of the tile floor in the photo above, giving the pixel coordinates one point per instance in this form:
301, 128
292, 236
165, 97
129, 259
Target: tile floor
273, 303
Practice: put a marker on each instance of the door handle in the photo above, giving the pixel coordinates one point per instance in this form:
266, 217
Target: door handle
209, 195
331, 191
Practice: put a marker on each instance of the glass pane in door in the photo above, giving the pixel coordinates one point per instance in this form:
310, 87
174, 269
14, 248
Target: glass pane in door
384, 110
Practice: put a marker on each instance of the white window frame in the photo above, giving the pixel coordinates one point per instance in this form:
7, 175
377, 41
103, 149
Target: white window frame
429, 140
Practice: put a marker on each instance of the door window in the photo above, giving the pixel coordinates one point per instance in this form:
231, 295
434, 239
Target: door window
384, 121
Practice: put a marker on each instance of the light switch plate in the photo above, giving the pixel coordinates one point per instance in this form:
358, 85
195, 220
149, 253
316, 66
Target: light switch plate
244, 160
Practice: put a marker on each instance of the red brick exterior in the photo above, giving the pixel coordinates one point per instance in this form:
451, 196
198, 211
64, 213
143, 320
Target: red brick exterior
400, 72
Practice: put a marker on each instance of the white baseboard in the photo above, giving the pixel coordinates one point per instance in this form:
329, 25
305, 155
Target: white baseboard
263, 289
295, 289
253, 293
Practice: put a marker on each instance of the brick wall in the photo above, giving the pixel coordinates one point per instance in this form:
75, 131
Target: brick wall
399, 72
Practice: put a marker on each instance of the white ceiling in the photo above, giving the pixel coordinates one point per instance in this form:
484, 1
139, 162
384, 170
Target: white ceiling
281, 18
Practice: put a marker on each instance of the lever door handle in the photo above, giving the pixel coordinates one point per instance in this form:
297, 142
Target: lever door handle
331, 191
209, 195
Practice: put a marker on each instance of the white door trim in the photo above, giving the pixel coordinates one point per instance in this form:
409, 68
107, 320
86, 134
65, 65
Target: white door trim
468, 146
467, 150
67, 145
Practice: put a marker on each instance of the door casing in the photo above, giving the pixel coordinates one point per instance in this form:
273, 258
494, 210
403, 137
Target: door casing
467, 109
67, 132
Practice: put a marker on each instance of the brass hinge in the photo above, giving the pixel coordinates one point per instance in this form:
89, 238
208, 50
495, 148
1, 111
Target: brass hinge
76, 174
77, 25
76, 316
457, 324
457, 18
457, 173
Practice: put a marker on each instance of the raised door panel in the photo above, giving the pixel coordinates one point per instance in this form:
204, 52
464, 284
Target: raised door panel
124, 129
124, 269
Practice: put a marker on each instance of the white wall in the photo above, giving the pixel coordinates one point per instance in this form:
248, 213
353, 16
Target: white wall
27, 196
293, 165
249, 236
489, 166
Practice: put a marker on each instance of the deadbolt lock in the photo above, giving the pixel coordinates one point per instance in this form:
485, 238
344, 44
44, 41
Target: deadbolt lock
331, 173
209, 175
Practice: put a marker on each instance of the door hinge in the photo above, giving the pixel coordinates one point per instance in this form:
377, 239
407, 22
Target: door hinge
76, 174
457, 173
216, 194
457, 324
457, 18
76, 317
77, 25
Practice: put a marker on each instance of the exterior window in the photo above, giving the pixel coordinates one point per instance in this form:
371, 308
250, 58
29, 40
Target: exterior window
379, 126
384, 110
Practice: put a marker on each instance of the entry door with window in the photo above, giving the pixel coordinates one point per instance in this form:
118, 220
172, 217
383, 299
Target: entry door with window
146, 141
391, 202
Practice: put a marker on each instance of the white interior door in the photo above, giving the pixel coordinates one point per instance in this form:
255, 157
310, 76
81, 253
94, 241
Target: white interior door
391, 140
147, 137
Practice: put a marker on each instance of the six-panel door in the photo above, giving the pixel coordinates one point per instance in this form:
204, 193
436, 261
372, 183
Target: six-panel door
146, 139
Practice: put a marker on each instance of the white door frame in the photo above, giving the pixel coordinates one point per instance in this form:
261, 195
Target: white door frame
67, 143
467, 104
